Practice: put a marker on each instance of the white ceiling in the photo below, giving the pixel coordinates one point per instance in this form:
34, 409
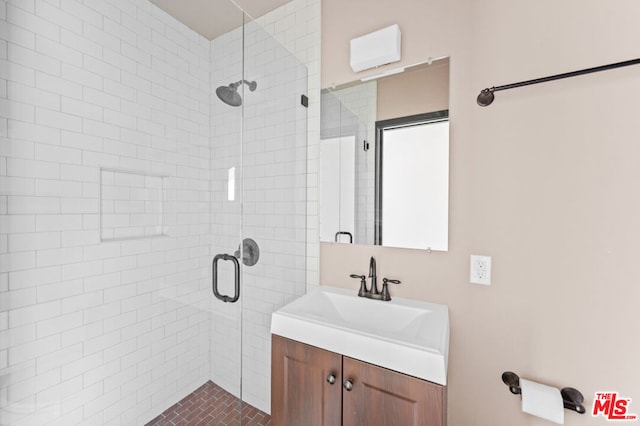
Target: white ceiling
212, 18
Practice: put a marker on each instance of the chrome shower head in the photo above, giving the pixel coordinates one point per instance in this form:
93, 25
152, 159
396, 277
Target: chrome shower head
229, 94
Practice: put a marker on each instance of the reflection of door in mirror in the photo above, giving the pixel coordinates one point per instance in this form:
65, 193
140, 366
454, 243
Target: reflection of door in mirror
413, 152
337, 189
346, 188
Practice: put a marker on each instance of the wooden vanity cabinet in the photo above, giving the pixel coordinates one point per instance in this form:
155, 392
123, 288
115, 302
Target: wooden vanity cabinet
301, 393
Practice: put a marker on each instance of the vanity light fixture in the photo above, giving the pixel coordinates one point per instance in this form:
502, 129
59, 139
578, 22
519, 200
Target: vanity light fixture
383, 74
430, 60
375, 49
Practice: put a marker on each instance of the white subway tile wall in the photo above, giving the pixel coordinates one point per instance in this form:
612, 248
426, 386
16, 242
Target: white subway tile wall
296, 25
114, 332
98, 332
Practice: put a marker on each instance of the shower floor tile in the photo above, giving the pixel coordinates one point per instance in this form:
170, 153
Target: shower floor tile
210, 405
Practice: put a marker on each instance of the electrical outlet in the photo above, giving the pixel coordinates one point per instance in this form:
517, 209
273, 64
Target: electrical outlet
480, 270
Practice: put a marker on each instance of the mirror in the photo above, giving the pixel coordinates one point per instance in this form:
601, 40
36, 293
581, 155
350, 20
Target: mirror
384, 160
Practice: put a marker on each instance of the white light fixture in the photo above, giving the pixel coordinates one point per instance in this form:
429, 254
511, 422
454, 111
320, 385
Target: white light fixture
374, 49
383, 74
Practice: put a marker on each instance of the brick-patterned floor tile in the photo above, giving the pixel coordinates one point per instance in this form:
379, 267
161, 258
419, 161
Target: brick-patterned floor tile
210, 405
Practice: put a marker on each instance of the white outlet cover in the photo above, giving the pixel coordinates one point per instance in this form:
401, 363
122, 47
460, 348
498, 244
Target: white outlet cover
480, 270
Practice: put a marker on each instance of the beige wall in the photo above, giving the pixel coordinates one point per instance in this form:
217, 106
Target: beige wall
545, 181
421, 89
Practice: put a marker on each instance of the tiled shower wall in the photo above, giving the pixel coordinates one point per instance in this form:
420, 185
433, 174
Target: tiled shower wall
296, 25
114, 332
98, 332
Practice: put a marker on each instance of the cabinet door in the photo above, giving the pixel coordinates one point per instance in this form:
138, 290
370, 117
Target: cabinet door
300, 392
383, 397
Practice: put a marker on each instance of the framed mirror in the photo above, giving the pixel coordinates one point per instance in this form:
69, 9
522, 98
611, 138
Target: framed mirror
384, 160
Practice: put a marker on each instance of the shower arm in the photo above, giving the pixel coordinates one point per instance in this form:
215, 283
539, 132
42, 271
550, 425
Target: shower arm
485, 98
251, 84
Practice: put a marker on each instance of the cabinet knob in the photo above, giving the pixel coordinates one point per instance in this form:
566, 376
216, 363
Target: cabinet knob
348, 385
331, 378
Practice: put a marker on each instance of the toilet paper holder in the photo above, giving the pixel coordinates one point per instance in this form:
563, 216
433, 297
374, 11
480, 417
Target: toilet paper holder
572, 399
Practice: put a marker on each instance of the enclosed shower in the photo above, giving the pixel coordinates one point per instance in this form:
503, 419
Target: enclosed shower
153, 202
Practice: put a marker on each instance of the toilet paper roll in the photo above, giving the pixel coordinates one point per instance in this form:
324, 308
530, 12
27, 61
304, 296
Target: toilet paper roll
542, 401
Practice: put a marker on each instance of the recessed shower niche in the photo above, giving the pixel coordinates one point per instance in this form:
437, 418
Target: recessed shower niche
132, 204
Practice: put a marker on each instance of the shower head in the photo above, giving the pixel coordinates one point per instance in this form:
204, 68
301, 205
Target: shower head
229, 94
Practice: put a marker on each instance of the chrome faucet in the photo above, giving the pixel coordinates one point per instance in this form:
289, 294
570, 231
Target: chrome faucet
374, 293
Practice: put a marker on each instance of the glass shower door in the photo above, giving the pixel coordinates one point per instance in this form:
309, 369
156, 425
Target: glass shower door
225, 207
274, 159
258, 205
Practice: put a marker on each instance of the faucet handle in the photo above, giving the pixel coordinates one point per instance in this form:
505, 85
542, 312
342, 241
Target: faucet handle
363, 283
385, 288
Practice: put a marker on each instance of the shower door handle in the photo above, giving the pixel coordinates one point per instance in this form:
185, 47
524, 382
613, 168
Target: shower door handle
349, 234
236, 274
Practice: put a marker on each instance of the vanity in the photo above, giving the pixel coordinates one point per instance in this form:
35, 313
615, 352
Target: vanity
338, 359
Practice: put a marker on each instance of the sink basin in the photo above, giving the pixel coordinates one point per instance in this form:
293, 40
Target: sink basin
404, 335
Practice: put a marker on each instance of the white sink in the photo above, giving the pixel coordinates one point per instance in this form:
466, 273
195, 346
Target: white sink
404, 335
